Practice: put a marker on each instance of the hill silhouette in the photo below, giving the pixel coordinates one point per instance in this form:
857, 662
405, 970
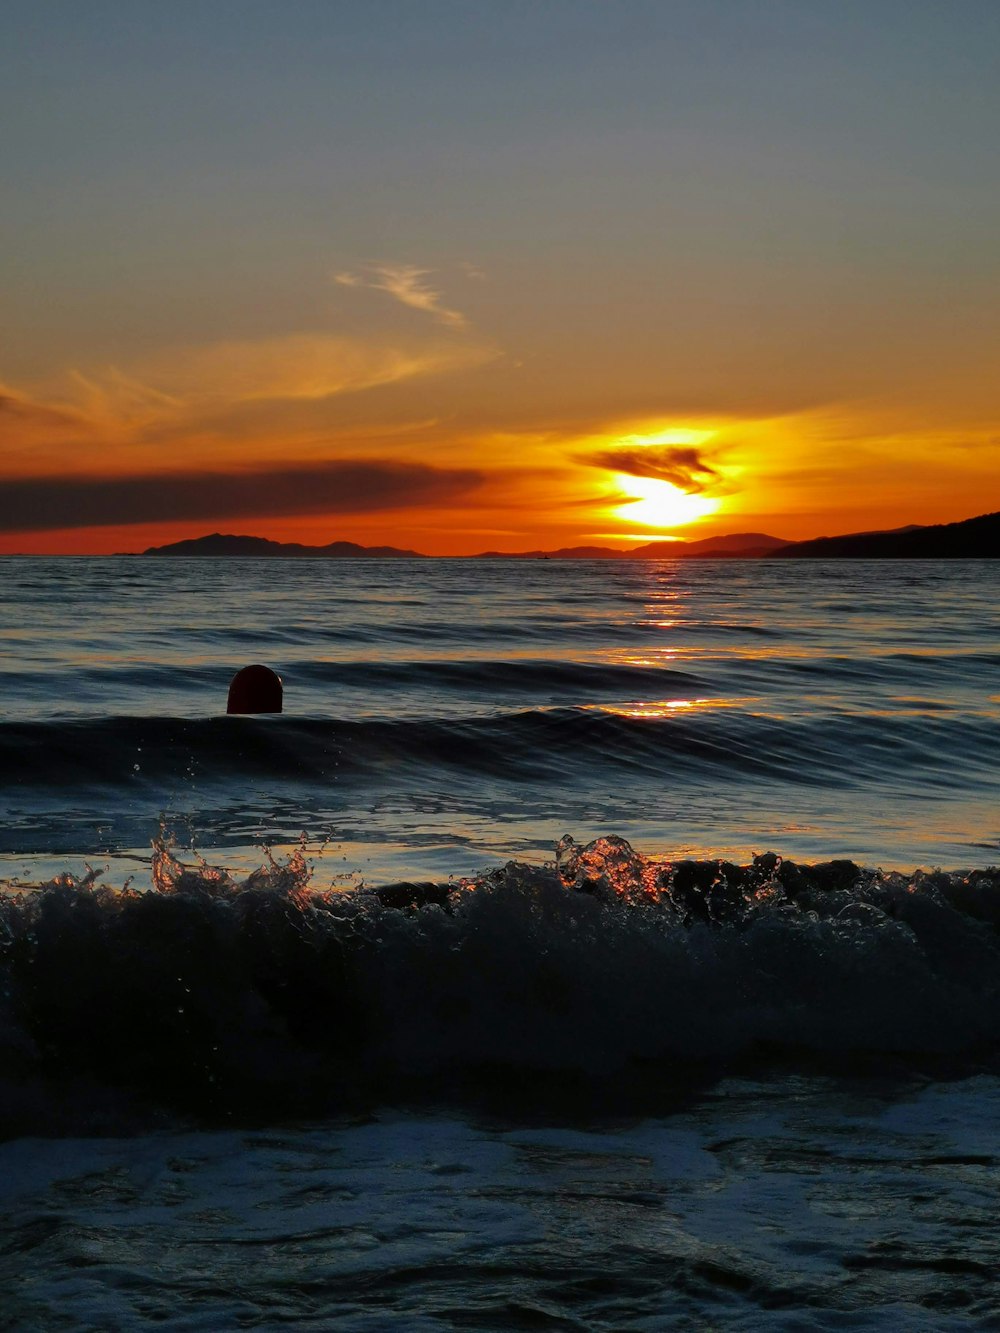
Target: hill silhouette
225, 544
743, 544
228, 544
971, 539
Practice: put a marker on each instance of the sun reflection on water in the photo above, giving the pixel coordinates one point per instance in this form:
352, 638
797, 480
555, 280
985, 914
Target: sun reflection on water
653, 708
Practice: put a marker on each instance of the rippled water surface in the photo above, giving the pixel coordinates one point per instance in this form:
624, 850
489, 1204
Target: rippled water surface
441, 715
468, 993
788, 1205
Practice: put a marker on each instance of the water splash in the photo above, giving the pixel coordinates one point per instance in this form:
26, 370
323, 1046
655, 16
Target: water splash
289, 877
215, 994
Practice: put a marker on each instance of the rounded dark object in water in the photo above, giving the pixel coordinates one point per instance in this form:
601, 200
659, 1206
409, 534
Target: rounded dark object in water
255, 689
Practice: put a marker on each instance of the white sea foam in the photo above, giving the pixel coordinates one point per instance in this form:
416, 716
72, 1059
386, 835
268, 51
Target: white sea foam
792, 1202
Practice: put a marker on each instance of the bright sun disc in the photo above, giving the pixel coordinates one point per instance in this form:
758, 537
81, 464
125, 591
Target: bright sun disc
658, 504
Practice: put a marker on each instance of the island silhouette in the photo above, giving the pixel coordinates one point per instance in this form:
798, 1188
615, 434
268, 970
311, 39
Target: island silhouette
972, 538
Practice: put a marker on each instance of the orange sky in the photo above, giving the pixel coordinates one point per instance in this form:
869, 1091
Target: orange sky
144, 456
585, 275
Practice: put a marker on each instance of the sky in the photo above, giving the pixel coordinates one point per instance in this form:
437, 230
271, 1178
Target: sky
458, 275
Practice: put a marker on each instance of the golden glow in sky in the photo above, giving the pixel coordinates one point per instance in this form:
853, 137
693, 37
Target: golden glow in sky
660, 505
669, 435
648, 271
666, 480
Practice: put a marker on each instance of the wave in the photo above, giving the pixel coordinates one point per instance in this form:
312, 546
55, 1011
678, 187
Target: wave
225, 998
532, 676
673, 738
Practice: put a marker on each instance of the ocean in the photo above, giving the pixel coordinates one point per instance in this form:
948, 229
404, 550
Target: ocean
588, 945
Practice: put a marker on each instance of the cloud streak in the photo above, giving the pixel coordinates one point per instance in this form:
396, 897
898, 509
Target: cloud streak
38, 504
407, 284
296, 367
23, 417
680, 465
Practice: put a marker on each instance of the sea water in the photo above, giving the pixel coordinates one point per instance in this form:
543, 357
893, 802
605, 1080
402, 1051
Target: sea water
588, 944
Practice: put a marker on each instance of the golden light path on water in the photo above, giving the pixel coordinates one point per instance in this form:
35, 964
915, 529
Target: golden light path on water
652, 708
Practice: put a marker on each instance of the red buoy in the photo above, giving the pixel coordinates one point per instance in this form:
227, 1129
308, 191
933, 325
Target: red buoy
255, 689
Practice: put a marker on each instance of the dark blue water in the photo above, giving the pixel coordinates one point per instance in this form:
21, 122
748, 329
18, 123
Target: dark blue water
587, 945
442, 715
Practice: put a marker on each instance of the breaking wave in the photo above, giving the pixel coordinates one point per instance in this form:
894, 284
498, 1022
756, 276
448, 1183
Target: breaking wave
216, 997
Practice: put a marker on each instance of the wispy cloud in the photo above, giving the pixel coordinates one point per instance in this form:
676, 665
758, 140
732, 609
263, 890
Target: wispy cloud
681, 466
347, 486
180, 385
36, 435
408, 284
209, 401
297, 366
24, 414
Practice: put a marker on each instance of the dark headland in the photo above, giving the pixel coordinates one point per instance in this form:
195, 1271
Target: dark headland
971, 539
218, 543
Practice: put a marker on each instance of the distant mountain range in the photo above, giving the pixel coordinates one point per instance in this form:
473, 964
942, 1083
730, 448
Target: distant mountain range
218, 543
973, 538
742, 544
223, 544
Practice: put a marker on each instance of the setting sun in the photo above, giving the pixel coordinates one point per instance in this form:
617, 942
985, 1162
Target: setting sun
658, 504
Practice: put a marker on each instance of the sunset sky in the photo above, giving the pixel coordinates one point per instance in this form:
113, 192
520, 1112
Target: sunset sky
496, 274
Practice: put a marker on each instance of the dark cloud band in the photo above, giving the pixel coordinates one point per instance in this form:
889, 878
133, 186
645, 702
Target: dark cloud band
681, 466
37, 504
